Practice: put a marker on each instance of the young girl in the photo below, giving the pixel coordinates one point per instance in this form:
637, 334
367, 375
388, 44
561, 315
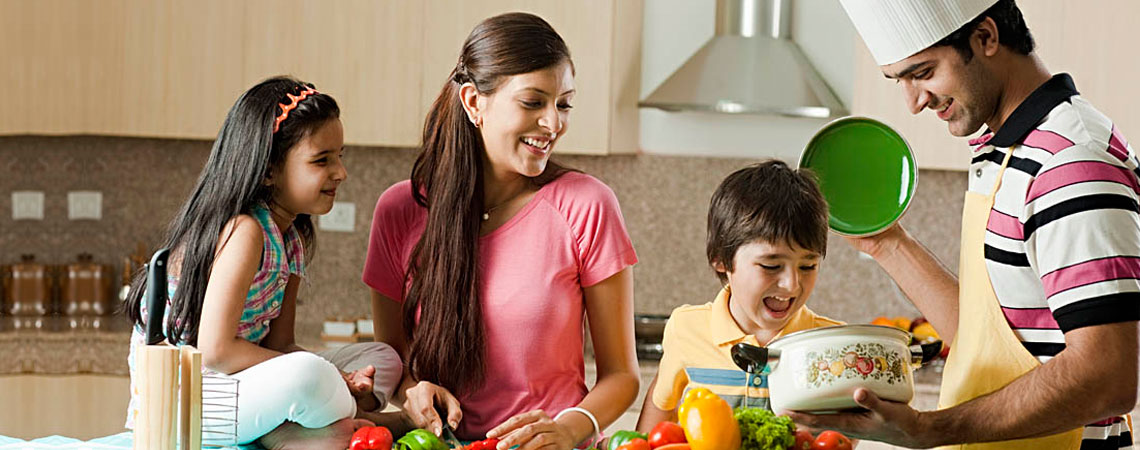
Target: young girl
237, 256
486, 263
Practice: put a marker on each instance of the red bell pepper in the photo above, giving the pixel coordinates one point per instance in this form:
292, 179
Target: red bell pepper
486, 444
371, 438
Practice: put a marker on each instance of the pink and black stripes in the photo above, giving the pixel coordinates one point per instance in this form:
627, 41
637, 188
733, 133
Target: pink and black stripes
1091, 271
1049, 141
1080, 172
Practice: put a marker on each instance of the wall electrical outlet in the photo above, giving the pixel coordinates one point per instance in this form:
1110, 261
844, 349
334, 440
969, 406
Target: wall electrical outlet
28, 205
342, 217
85, 205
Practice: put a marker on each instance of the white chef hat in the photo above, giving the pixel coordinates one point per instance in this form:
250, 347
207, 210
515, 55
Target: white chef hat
897, 29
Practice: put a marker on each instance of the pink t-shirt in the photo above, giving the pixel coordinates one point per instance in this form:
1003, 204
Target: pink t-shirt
571, 235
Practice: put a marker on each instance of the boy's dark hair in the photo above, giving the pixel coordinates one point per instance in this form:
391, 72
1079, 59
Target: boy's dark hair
768, 201
1011, 27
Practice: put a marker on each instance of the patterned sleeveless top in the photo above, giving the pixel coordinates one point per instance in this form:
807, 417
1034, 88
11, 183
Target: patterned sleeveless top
282, 254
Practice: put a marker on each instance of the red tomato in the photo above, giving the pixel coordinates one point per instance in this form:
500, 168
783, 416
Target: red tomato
831, 440
666, 433
804, 440
635, 444
379, 438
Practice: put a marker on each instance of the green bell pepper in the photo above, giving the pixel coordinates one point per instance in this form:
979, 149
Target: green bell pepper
420, 439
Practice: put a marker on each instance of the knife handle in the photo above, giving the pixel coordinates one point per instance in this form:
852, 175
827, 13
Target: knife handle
156, 296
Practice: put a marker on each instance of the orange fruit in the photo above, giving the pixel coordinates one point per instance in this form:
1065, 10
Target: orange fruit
883, 321
902, 322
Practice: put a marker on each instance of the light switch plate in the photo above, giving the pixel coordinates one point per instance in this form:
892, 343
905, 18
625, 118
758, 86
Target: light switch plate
342, 217
27, 205
85, 205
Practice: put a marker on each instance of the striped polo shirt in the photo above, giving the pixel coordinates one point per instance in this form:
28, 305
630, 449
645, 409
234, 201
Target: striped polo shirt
698, 341
282, 254
1062, 244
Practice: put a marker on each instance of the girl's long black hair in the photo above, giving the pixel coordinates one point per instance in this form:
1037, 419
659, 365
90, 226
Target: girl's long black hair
243, 155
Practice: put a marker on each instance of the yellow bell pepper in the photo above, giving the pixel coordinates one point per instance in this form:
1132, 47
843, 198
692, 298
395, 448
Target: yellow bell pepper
708, 421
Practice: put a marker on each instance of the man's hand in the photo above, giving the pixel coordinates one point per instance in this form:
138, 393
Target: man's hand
886, 421
880, 244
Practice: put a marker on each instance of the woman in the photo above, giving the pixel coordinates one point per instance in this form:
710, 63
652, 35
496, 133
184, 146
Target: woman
484, 264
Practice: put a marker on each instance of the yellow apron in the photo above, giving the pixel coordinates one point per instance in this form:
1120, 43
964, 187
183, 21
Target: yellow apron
986, 355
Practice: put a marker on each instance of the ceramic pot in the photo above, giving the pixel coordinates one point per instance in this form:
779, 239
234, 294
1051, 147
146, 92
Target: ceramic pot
820, 369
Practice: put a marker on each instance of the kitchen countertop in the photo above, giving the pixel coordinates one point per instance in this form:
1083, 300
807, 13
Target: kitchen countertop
58, 345
67, 346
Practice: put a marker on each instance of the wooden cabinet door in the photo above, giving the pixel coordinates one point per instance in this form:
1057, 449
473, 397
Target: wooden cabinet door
364, 53
176, 68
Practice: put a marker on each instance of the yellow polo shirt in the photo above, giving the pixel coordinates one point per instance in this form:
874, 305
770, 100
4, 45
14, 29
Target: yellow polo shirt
698, 340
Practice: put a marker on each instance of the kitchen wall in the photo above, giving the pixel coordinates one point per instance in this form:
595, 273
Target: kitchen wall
663, 199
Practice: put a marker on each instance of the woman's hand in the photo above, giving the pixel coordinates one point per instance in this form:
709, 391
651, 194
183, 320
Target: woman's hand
420, 403
532, 430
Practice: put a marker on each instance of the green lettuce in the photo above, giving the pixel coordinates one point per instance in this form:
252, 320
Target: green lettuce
761, 429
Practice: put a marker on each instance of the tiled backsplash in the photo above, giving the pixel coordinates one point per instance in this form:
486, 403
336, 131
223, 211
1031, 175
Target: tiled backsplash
664, 201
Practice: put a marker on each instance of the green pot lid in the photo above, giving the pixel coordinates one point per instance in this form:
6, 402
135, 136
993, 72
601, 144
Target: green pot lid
866, 171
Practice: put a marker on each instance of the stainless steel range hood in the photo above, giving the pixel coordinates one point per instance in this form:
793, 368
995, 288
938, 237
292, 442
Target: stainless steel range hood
751, 66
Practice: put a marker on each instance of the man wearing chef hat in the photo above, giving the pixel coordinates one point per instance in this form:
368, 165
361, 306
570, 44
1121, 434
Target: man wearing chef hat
1043, 314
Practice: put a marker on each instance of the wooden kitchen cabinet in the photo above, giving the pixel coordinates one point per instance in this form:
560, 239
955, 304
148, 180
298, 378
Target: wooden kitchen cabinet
1093, 44
76, 406
172, 69
120, 67
365, 53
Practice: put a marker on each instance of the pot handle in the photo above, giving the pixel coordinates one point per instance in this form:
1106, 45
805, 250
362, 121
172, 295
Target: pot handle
924, 353
753, 359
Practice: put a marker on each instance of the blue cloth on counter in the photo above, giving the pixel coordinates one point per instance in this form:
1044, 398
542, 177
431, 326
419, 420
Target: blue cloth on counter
121, 441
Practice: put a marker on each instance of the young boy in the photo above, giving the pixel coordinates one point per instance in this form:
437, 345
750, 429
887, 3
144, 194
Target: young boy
767, 235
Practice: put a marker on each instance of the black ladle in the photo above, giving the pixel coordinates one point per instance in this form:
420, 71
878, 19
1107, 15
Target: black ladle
752, 359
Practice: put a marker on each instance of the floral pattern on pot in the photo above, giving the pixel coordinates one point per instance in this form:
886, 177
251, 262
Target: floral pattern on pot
853, 361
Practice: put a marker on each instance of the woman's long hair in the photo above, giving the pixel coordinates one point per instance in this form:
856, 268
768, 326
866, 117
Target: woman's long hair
443, 317
245, 152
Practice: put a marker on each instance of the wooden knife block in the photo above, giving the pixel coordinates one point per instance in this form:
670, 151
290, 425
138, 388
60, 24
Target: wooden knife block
170, 377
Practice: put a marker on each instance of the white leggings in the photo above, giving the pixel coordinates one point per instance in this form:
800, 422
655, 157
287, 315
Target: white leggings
307, 389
